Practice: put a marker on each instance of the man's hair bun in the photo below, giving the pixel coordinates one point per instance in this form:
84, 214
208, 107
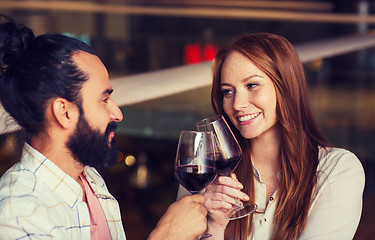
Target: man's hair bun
14, 40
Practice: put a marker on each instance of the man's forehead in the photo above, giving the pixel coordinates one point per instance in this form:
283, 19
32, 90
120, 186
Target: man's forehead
85, 60
97, 74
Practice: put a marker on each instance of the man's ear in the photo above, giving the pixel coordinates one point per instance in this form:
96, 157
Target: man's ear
65, 112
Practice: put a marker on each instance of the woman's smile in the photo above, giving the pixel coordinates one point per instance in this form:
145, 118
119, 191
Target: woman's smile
248, 118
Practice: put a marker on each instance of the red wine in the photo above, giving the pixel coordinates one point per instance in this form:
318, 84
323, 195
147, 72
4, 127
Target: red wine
195, 178
226, 166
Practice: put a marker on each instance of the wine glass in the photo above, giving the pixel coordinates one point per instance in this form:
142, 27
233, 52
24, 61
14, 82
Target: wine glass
195, 162
227, 157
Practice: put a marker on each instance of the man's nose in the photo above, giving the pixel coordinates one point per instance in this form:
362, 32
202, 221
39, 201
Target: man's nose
116, 114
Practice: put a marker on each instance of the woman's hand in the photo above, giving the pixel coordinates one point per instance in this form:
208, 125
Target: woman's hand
221, 196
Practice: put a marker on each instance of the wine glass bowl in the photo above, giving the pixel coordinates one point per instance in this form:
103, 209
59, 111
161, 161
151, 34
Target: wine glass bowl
195, 161
227, 157
227, 150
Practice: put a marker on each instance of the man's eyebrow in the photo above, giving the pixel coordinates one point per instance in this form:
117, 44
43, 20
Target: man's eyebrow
107, 91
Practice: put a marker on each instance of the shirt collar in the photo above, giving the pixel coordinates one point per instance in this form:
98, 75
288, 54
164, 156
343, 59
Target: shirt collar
52, 176
260, 190
60, 182
96, 182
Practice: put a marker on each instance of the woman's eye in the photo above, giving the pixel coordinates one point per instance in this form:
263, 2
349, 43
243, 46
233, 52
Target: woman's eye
251, 85
226, 92
105, 99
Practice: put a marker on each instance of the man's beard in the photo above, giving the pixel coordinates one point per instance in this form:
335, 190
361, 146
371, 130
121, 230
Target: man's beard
90, 147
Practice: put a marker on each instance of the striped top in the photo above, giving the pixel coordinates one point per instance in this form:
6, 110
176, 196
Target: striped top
39, 200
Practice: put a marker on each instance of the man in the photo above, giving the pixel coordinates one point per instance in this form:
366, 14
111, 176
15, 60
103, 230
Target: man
58, 90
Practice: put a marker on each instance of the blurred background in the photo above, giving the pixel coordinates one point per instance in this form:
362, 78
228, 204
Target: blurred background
142, 41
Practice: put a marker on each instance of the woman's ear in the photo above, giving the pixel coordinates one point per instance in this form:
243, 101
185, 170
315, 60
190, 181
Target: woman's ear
65, 112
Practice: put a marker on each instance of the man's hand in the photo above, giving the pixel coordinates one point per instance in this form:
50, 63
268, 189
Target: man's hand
183, 220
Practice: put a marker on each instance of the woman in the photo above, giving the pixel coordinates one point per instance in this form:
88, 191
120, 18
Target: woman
304, 188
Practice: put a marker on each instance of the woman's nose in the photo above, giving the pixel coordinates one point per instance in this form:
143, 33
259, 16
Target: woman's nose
240, 101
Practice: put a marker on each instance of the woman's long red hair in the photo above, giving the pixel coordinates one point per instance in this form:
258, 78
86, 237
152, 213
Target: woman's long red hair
300, 137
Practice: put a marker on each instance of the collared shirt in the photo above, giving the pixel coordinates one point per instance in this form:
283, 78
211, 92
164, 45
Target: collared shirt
99, 229
336, 202
40, 201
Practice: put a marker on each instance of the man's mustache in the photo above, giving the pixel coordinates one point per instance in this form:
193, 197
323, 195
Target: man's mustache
112, 126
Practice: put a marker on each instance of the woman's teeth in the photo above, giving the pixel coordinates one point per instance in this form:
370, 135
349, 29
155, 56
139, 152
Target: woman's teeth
248, 117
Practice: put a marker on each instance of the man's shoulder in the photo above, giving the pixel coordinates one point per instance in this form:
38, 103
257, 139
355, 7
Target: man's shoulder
27, 206
15, 177
20, 191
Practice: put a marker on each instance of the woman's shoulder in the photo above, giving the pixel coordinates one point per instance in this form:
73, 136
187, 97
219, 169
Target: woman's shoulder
339, 161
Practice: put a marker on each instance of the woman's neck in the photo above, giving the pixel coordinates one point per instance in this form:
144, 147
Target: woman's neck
265, 155
265, 150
